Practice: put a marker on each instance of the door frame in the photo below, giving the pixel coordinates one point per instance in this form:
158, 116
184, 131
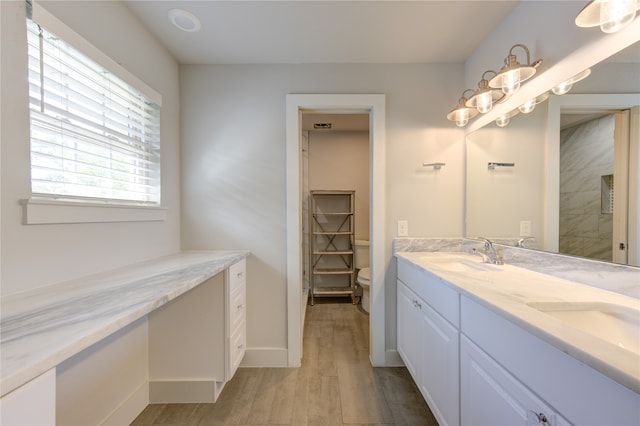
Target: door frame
374, 105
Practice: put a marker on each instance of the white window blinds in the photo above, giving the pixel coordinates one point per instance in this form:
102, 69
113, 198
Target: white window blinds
92, 135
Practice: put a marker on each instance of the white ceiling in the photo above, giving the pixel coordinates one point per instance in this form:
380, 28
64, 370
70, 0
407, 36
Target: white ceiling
326, 31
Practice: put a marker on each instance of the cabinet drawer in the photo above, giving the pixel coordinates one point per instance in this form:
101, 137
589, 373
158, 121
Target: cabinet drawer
444, 299
237, 273
236, 350
237, 308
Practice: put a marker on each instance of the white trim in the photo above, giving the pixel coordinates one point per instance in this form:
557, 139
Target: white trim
552, 151
40, 211
375, 106
47, 20
264, 357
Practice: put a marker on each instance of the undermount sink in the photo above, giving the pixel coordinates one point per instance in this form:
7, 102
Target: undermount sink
463, 263
616, 324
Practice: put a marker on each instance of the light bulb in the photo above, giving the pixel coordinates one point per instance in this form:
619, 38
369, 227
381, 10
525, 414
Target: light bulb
528, 106
484, 102
502, 121
511, 81
563, 87
617, 14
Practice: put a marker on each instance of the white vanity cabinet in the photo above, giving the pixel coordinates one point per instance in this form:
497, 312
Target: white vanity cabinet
476, 364
236, 326
427, 342
506, 368
489, 395
32, 404
197, 341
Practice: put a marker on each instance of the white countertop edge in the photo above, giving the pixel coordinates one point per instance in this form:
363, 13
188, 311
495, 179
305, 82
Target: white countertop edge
16, 377
602, 356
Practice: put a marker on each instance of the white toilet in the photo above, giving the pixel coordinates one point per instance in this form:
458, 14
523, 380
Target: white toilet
361, 263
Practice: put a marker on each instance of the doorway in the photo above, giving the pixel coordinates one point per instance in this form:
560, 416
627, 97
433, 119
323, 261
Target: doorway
374, 106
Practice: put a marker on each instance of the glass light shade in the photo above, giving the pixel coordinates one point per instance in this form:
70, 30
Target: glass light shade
484, 102
566, 85
461, 113
503, 121
510, 82
617, 14
610, 15
462, 121
562, 88
528, 106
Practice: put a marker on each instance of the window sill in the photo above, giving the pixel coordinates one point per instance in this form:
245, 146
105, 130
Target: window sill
39, 211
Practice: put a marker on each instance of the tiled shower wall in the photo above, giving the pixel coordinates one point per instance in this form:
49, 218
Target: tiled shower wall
586, 155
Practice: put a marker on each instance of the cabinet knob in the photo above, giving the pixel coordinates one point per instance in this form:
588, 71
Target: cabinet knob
240, 274
534, 418
240, 306
240, 346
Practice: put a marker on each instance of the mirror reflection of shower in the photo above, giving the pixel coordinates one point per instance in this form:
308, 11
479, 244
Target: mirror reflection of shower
590, 208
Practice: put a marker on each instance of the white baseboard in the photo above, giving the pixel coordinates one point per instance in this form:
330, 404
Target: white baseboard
184, 391
392, 358
265, 357
127, 412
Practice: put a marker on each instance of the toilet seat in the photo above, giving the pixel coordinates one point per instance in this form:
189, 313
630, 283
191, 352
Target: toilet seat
364, 277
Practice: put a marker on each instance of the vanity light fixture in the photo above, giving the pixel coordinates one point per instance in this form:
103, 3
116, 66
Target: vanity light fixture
484, 97
513, 72
566, 85
530, 105
462, 113
184, 20
610, 15
504, 119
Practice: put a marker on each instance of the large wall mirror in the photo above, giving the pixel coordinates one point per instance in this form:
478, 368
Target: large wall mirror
564, 178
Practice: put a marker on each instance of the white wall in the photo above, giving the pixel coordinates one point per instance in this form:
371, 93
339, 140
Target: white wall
233, 161
340, 160
107, 382
37, 255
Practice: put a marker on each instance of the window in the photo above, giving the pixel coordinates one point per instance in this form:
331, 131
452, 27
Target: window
94, 137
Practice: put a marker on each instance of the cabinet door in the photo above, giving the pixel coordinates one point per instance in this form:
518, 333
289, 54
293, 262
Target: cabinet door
489, 395
440, 366
409, 319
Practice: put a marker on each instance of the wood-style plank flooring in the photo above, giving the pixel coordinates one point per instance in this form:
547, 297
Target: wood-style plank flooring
336, 384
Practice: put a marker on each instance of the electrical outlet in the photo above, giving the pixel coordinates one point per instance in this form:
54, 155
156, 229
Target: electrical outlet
525, 228
403, 228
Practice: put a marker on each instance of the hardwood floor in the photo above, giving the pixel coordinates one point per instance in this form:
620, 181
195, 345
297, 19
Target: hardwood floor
336, 385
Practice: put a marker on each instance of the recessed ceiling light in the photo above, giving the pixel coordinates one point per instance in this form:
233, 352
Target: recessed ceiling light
184, 20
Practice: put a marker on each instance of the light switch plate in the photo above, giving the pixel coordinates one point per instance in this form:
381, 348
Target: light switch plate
403, 228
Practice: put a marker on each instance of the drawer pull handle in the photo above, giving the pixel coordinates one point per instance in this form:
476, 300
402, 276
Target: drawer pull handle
534, 418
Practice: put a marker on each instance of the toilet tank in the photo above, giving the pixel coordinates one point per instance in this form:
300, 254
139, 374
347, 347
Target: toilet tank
361, 254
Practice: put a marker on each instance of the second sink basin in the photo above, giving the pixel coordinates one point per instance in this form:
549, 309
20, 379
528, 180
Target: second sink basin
616, 324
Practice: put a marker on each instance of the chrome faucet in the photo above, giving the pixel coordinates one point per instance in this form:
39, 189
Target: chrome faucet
490, 255
521, 241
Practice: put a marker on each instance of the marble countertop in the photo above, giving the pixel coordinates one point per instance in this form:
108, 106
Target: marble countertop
509, 290
41, 328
